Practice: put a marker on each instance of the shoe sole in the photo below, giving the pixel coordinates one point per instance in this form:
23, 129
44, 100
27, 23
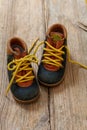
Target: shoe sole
28, 101
51, 85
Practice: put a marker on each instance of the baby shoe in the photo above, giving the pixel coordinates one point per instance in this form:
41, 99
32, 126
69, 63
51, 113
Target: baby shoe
23, 83
55, 53
53, 63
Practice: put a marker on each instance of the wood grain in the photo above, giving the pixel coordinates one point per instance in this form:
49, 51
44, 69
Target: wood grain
68, 102
65, 106
18, 18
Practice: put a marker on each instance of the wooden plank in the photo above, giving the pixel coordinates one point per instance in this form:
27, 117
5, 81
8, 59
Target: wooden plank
68, 101
24, 19
60, 108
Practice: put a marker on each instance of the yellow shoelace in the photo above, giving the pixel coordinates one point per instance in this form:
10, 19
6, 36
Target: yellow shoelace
57, 53
24, 63
18, 65
53, 52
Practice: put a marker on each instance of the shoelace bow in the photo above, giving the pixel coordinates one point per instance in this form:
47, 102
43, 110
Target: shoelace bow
23, 63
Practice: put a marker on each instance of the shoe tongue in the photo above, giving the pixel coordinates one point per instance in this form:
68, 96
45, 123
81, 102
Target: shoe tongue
56, 39
19, 53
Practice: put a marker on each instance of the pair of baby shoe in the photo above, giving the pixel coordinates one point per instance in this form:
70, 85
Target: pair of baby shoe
22, 81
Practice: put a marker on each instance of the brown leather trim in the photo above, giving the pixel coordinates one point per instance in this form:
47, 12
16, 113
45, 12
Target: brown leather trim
55, 28
13, 40
16, 55
60, 28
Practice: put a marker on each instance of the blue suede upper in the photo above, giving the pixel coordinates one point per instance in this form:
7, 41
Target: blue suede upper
23, 93
52, 77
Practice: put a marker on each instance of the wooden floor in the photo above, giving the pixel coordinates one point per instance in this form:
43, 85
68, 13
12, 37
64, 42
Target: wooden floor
65, 106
